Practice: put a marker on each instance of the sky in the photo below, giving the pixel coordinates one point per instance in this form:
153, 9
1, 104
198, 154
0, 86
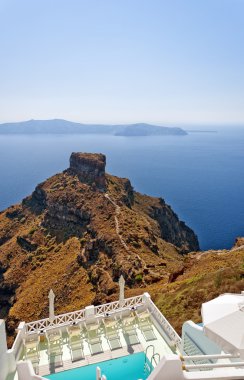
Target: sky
122, 61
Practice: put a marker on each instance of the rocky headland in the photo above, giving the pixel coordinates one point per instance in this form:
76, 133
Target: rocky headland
82, 228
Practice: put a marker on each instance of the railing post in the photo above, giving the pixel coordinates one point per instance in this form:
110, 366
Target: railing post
146, 298
22, 328
90, 311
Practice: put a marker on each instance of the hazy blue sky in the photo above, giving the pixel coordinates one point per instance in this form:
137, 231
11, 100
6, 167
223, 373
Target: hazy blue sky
161, 61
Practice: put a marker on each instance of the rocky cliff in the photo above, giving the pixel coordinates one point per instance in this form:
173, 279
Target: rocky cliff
89, 168
77, 233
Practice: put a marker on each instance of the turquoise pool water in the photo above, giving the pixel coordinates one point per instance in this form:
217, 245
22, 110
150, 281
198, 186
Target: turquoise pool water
129, 367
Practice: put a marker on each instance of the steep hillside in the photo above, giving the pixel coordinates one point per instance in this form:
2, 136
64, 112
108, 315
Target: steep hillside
77, 233
203, 276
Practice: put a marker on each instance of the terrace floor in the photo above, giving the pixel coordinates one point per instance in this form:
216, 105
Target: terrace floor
44, 367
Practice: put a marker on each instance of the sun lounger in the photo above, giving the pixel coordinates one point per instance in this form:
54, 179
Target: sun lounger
93, 337
54, 336
55, 350
145, 324
55, 355
111, 332
75, 342
129, 329
31, 348
55, 347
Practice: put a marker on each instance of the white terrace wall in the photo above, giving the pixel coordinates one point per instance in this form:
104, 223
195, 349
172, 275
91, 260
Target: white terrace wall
169, 368
26, 372
9, 358
3, 352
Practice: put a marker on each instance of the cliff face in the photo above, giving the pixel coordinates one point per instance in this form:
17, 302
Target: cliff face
90, 168
77, 233
172, 229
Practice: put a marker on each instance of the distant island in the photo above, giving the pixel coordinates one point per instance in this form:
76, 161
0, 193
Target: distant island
58, 126
200, 131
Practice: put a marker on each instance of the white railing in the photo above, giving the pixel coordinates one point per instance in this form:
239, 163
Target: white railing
116, 306
168, 329
77, 316
211, 356
59, 320
213, 365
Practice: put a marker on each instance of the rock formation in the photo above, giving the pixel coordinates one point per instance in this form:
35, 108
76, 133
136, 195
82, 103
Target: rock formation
90, 168
77, 233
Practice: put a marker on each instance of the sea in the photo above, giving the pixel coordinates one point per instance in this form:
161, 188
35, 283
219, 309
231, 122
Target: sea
200, 175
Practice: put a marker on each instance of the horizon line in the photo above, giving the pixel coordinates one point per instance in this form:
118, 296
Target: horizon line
190, 123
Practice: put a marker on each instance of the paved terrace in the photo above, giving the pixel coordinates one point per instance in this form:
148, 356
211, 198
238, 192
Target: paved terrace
165, 340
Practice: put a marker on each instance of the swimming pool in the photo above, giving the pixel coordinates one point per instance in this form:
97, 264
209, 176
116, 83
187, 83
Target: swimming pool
129, 367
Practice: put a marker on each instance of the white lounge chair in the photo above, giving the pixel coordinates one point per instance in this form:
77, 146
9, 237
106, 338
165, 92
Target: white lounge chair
145, 324
75, 341
54, 336
111, 327
31, 348
55, 347
129, 329
94, 337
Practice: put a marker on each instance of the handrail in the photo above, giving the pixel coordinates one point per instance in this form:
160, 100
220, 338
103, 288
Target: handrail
213, 365
213, 356
41, 325
166, 325
146, 366
151, 345
115, 306
59, 320
153, 358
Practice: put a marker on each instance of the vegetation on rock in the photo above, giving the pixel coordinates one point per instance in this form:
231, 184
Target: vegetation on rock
81, 229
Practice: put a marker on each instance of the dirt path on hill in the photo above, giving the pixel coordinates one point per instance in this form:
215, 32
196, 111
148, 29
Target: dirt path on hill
117, 228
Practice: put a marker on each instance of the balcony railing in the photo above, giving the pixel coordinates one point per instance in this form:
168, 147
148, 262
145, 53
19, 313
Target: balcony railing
77, 316
60, 320
101, 310
169, 330
115, 306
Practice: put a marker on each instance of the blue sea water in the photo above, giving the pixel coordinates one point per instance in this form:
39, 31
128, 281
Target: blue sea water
129, 367
200, 175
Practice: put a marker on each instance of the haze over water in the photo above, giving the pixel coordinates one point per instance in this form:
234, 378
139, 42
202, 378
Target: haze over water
199, 175
163, 62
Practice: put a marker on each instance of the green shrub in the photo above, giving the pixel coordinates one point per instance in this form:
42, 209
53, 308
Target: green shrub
138, 277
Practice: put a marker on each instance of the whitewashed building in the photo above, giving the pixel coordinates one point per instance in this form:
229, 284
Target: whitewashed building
128, 339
